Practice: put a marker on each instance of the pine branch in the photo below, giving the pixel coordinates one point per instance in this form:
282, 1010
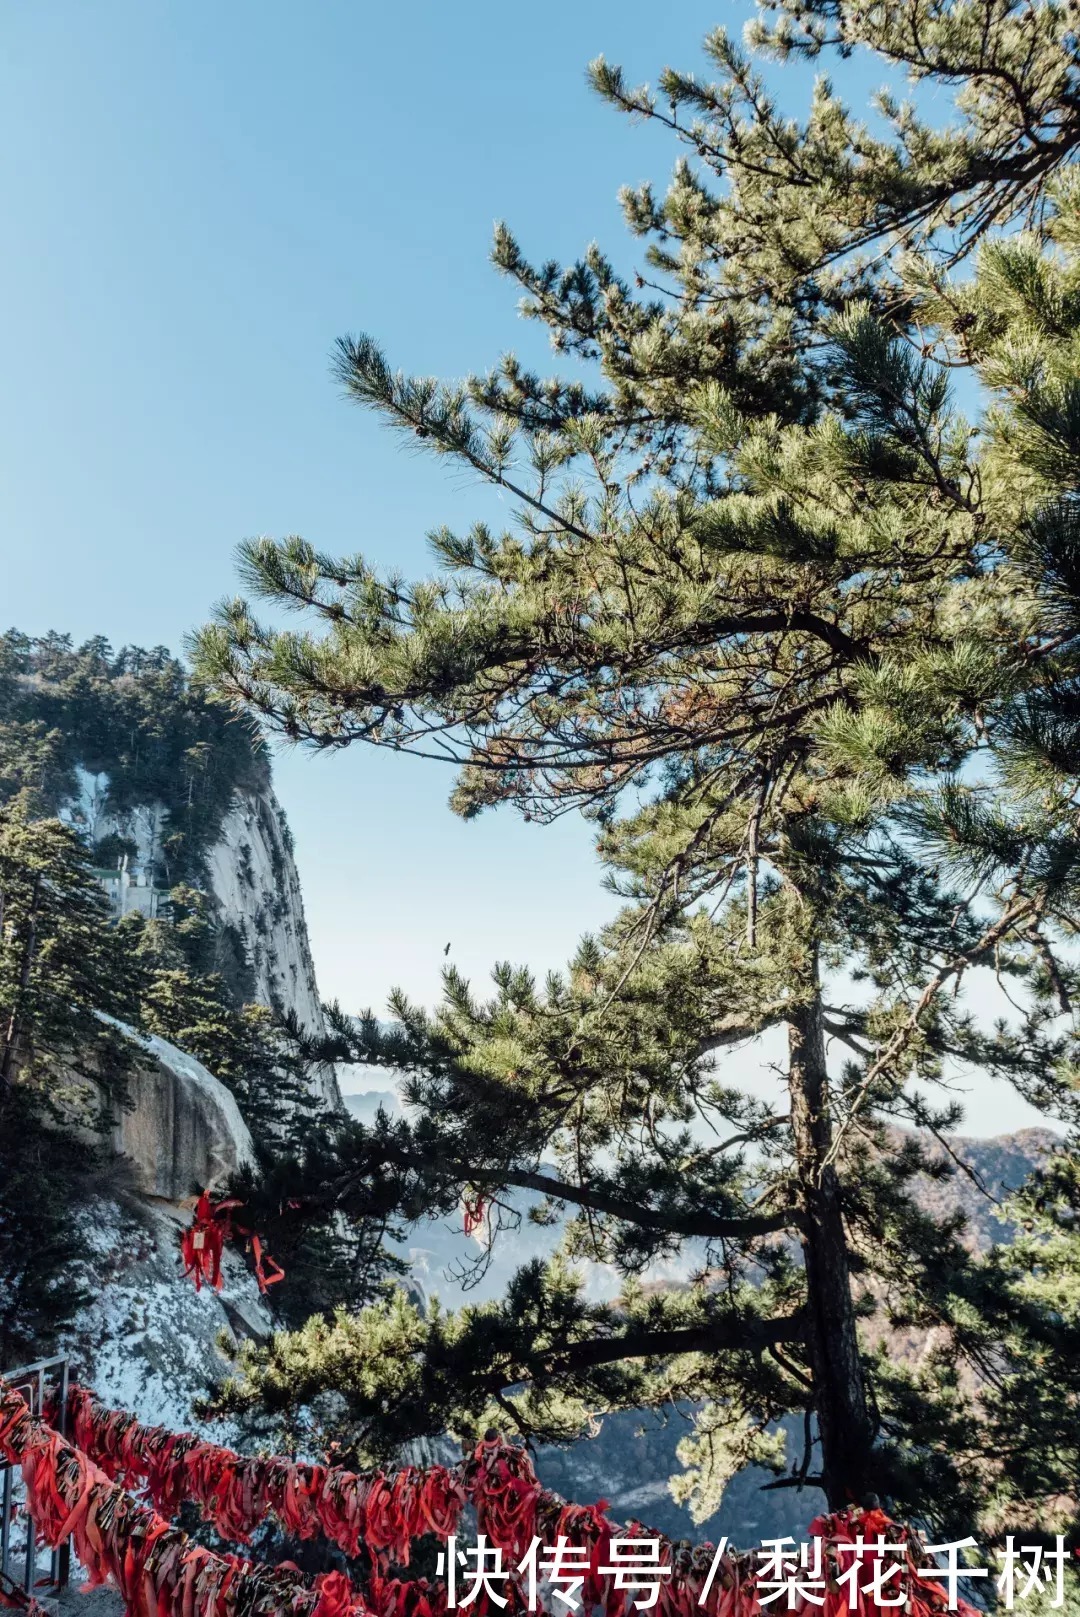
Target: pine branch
743, 1336
674, 1223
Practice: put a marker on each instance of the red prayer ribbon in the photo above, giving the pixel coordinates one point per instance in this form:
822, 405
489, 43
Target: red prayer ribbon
385, 1513
203, 1242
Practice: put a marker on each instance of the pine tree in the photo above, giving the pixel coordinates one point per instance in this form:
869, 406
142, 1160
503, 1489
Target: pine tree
61, 974
63, 1061
768, 613
46, 1175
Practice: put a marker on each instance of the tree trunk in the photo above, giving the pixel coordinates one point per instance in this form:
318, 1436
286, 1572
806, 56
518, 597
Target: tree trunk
844, 1425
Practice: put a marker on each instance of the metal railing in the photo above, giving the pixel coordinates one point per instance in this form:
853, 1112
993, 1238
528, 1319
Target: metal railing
20, 1568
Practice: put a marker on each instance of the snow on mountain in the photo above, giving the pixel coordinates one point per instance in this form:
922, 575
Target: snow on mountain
92, 813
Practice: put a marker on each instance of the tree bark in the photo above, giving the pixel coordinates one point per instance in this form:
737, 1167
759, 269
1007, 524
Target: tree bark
844, 1424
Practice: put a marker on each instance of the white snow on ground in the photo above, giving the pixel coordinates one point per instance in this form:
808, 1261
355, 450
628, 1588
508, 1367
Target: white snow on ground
147, 1341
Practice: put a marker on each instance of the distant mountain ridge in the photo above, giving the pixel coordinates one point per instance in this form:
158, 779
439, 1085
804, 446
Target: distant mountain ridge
988, 1170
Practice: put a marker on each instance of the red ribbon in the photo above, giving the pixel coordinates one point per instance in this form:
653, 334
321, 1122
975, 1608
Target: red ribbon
474, 1209
157, 1569
387, 1512
202, 1245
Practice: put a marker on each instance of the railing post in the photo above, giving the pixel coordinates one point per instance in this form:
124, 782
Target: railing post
34, 1382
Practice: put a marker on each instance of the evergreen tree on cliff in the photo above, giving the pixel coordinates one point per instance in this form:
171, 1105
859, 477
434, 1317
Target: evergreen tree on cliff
773, 613
60, 1060
78, 987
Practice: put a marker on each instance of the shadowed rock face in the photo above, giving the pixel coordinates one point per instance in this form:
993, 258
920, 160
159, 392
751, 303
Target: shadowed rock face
183, 1131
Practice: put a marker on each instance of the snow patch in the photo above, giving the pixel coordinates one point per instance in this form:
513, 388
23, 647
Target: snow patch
148, 1340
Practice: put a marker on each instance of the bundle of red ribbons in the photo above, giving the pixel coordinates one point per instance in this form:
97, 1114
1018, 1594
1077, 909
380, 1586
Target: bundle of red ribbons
157, 1569
203, 1242
385, 1513
354, 1510
213, 1224
79, 1490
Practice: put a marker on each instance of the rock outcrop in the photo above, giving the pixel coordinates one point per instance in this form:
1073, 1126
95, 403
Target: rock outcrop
253, 878
182, 1130
148, 1340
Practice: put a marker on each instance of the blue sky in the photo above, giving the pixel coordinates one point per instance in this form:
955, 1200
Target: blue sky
198, 200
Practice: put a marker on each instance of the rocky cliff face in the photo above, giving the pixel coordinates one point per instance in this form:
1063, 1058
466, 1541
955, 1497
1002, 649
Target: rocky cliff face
168, 788
252, 875
149, 1341
263, 949
182, 1130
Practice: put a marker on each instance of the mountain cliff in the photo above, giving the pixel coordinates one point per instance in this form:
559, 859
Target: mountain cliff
173, 792
248, 871
173, 797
